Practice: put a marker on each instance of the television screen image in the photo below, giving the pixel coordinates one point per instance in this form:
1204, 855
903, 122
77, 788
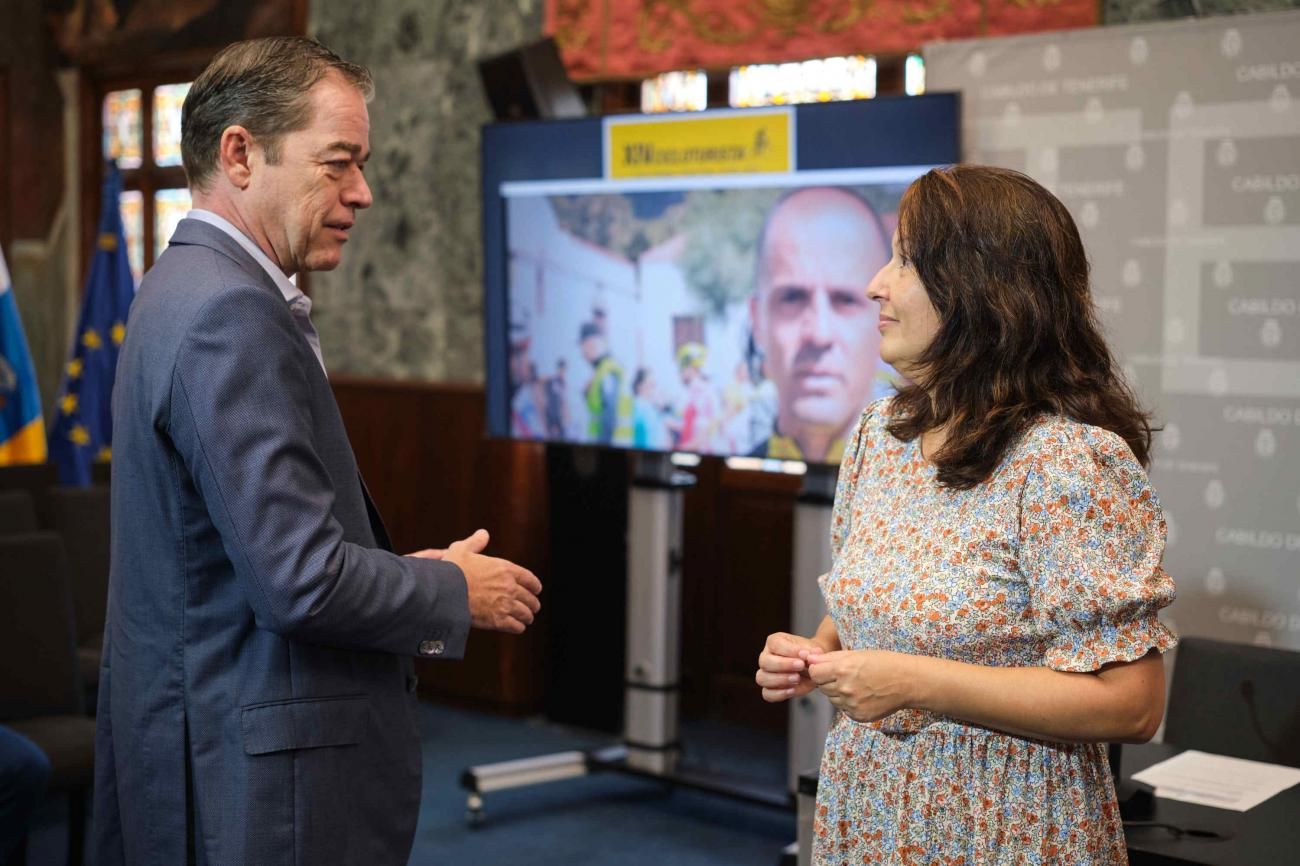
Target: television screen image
722, 314
712, 319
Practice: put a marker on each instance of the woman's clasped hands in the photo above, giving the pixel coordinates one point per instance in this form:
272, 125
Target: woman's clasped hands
864, 684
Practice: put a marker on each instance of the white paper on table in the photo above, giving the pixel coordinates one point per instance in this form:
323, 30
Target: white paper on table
1217, 780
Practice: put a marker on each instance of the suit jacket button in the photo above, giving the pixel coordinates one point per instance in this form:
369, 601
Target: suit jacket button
431, 648
411, 682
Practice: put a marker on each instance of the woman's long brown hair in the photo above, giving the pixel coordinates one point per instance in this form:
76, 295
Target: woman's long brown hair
1002, 262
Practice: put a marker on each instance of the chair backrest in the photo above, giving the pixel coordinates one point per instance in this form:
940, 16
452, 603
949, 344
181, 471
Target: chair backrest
1236, 699
40, 675
17, 512
35, 478
81, 516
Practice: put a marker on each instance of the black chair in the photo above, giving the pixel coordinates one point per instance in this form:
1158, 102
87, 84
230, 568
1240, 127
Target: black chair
40, 687
36, 478
1237, 700
17, 512
101, 472
80, 515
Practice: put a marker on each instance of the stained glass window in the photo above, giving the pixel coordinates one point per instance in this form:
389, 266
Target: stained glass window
122, 127
132, 205
914, 75
142, 130
826, 80
676, 91
170, 207
167, 102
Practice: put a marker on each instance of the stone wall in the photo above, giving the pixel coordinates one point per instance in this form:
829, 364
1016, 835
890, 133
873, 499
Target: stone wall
407, 301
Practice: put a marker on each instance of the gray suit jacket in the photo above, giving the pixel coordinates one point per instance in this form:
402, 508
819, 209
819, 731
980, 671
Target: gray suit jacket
257, 702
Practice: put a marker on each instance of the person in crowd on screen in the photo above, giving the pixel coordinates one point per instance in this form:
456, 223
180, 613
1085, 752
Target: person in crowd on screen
527, 408
557, 402
701, 416
813, 326
257, 700
609, 406
24, 775
737, 402
520, 355
650, 429
997, 552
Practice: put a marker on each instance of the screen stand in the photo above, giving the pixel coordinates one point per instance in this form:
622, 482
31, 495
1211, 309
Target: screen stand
810, 715
651, 746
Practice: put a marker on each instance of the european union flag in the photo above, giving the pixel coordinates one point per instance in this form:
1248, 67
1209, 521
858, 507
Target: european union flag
82, 432
22, 428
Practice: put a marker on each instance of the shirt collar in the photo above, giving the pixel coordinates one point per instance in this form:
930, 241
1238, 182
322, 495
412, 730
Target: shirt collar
293, 295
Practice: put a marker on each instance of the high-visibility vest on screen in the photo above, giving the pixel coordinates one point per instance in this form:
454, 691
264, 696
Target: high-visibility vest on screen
596, 403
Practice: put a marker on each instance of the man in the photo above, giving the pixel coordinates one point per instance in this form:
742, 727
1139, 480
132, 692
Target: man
557, 403
257, 698
814, 326
609, 408
24, 775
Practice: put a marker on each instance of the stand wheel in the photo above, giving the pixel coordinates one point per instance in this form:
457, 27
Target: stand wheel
474, 816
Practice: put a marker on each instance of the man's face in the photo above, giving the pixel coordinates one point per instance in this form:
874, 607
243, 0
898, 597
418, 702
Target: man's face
812, 318
306, 204
592, 348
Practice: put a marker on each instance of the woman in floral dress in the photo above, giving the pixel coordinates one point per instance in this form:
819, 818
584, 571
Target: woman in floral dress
996, 572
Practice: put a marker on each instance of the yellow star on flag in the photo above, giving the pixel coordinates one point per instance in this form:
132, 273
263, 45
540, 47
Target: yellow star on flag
79, 435
105, 455
68, 403
74, 368
91, 339
118, 333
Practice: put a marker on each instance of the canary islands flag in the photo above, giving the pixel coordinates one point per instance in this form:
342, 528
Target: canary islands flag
82, 431
22, 429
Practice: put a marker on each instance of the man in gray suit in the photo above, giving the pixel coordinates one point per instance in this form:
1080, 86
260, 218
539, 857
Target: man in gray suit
257, 701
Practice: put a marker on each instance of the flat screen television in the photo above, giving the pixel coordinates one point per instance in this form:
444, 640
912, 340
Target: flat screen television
711, 311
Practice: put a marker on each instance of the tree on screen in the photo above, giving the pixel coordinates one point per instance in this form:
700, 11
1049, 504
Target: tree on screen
722, 228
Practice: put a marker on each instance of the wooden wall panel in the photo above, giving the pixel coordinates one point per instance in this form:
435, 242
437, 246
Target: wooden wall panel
6, 236
435, 477
34, 125
739, 533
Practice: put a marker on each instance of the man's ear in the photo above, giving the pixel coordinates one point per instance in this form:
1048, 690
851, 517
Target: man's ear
234, 156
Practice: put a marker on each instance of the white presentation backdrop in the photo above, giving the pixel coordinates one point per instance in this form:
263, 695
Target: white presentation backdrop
1177, 148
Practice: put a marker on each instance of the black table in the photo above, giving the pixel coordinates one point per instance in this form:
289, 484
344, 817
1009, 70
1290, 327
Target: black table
1267, 834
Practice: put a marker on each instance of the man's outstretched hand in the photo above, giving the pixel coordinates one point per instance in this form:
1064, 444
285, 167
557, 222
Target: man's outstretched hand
502, 595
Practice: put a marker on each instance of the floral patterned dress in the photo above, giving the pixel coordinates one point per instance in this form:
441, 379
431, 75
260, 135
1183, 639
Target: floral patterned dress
1053, 561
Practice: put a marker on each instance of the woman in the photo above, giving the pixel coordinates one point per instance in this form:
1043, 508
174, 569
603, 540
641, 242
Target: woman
997, 553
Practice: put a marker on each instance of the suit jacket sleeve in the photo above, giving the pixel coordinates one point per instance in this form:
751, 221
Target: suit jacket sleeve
241, 420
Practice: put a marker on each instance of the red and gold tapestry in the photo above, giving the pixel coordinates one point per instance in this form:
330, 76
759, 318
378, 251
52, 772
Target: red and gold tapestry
601, 39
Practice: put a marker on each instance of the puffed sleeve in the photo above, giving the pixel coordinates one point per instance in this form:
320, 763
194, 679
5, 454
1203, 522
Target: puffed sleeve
855, 448
1092, 535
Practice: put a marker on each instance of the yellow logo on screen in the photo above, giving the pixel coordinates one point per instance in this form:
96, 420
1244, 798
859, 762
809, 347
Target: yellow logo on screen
746, 142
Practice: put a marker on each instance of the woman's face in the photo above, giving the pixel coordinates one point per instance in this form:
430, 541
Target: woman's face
908, 321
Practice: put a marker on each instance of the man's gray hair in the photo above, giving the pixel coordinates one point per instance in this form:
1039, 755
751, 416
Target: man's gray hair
262, 85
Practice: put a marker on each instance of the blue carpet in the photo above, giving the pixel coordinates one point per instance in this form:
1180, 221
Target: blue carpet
607, 818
